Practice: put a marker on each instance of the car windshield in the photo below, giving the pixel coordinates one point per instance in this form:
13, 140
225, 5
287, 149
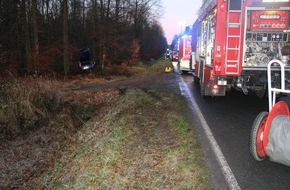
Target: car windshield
85, 55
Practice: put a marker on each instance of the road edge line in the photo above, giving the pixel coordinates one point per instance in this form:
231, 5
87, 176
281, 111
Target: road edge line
226, 170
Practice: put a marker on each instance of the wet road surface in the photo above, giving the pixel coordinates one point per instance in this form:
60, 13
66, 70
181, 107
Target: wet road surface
230, 120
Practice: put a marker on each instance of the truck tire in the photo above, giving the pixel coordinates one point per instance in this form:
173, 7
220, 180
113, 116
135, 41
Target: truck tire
202, 90
196, 80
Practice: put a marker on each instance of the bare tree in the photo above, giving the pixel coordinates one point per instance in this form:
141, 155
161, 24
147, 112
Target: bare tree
65, 38
35, 35
26, 33
48, 31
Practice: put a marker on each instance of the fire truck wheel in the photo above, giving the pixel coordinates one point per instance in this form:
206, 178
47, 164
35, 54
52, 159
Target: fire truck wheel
202, 90
256, 137
196, 79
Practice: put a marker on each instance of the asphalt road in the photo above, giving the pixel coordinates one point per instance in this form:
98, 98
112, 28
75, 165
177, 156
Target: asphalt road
230, 120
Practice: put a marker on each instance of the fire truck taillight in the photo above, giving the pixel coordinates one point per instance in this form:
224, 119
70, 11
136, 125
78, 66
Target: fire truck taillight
222, 7
218, 67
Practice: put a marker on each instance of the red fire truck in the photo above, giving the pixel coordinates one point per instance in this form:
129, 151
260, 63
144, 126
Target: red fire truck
184, 53
234, 40
184, 45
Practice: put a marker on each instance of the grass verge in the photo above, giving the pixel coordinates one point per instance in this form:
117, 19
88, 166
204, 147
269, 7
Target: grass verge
141, 142
102, 139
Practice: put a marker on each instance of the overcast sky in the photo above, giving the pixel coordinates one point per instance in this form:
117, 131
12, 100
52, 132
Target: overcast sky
177, 15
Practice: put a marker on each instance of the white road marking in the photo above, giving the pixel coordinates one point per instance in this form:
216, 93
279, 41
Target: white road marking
226, 170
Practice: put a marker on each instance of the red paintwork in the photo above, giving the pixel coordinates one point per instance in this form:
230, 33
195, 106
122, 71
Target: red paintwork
235, 45
207, 71
196, 68
259, 142
258, 23
280, 108
221, 34
186, 57
184, 46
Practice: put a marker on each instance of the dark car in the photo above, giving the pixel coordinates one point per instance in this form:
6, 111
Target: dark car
174, 56
86, 62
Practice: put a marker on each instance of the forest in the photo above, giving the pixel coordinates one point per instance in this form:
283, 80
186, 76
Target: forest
45, 36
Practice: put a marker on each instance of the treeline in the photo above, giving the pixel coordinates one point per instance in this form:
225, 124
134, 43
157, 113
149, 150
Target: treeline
44, 36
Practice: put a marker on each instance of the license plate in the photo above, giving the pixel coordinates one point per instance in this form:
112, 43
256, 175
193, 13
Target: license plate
222, 82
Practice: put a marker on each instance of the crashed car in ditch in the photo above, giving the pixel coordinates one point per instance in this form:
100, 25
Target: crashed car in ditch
86, 62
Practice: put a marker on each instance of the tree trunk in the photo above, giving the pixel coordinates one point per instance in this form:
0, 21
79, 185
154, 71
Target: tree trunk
48, 22
116, 24
102, 36
27, 35
65, 38
94, 20
35, 35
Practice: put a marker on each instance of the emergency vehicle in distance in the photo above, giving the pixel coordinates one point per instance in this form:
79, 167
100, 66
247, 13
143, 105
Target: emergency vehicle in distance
184, 51
234, 40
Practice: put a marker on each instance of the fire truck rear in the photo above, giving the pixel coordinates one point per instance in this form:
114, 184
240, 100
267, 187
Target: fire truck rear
234, 40
184, 45
184, 53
